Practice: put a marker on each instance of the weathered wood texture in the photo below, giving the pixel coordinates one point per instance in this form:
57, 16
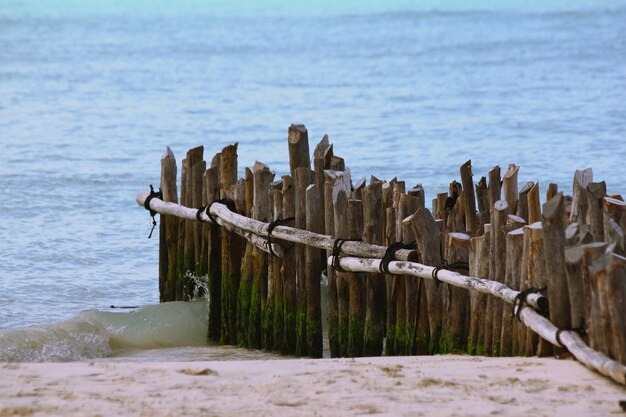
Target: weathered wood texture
314, 223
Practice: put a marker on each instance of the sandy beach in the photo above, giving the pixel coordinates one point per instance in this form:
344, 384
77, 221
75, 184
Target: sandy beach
387, 386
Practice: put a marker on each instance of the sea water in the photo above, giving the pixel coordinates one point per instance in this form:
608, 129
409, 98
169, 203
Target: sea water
91, 93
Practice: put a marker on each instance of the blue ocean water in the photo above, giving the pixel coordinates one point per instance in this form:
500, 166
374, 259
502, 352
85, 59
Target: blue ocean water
92, 92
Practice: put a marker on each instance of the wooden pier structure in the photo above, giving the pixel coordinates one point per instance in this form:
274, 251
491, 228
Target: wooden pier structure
484, 270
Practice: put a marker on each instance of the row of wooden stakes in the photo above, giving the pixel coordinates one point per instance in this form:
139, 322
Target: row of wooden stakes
571, 250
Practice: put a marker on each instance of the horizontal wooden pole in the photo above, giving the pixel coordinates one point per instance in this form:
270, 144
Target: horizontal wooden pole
173, 209
227, 218
539, 324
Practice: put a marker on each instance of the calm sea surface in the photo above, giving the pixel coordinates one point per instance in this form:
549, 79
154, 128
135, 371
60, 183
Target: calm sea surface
91, 95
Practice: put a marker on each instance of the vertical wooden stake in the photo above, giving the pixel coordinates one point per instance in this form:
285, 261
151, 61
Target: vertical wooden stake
247, 273
426, 234
313, 274
472, 225
231, 250
214, 260
522, 205
289, 272
276, 274
375, 285
500, 211
169, 226
596, 191
609, 274
582, 178
329, 227
514, 251
554, 244
356, 322
534, 204
303, 177
263, 178
343, 296
456, 328
479, 267
482, 198
509, 187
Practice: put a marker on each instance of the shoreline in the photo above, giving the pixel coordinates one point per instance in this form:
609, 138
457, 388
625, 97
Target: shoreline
449, 385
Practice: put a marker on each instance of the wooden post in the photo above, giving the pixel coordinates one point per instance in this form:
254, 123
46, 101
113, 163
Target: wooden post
406, 287
182, 228
356, 323
534, 204
276, 276
472, 225
553, 189
343, 296
609, 275
456, 300
303, 177
426, 234
169, 227
479, 267
494, 188
289, 272
500, 211
582, 178
579, 282
514, 252
376, 289
214, 259
263, 178
321, 161
522, 205
554, 244
590, 254
537, 278
482, 198
596, 191
231, 250
418, 331
329, 227
389, 238
200, 266
298, 139
247, 273
614, 213
509, 187
313, 274
194, 159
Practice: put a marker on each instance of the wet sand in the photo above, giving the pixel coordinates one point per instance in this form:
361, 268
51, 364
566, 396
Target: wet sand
387, 386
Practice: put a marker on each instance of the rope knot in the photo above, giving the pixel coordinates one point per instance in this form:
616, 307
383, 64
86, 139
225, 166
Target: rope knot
390, 254
146, 205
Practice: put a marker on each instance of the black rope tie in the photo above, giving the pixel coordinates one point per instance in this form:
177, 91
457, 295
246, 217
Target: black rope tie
199, 214
270, 228
335, 264
580, 330
445, 265
228, 203
390, 254
146, 205
521, 300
